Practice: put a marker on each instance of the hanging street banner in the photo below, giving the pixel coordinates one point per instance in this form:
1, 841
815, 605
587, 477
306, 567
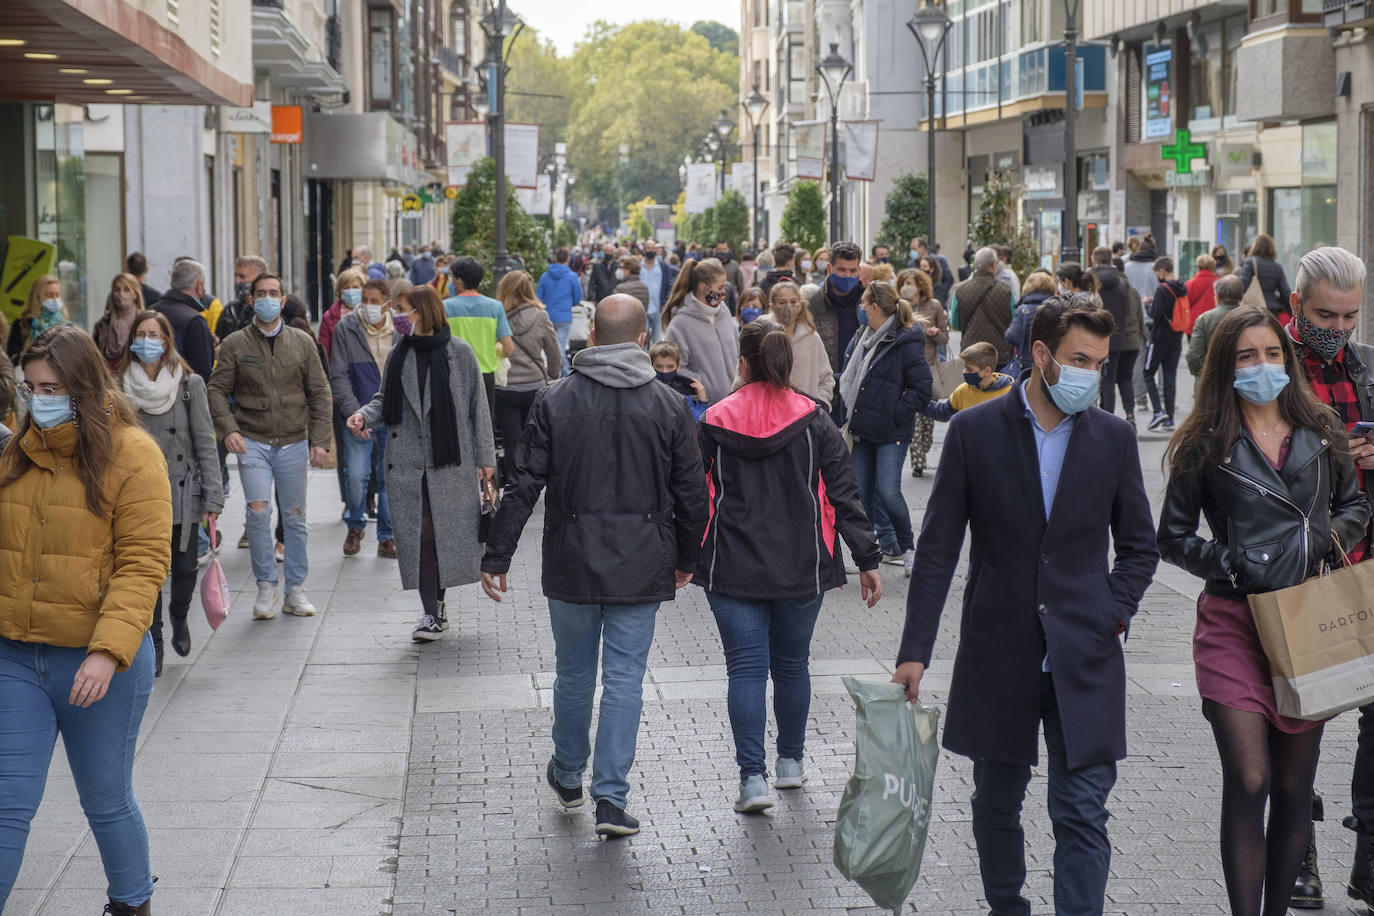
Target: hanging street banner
810, 137
742, 180
860, 149
701, 186
537, 201
467, 143
522, 155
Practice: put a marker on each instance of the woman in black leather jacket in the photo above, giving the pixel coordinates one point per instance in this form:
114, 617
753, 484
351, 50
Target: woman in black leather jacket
1269, 468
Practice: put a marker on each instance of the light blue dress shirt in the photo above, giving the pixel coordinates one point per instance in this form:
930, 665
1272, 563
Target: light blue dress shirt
653, 278
1050, 449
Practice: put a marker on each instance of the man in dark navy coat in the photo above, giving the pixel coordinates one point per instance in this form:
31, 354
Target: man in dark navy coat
1040, 478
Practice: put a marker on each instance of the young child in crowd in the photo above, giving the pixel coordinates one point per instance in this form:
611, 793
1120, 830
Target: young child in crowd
751, 305
666, 358
982, 382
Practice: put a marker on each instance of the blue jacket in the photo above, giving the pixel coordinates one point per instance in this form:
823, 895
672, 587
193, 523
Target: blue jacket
422, 270
353, 374
1034, 586
559, 290
896, 387
1019, 331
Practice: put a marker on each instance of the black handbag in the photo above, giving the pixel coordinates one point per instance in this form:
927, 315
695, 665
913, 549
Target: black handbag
491, 501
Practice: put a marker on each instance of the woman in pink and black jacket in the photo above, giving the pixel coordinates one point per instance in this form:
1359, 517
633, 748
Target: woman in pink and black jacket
782, 493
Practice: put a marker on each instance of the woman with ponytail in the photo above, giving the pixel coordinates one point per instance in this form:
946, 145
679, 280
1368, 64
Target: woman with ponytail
782, 494
885, 380
696, 318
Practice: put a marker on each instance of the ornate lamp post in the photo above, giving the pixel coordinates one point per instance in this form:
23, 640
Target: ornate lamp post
496, 24
754, 107
931, 27
834, 70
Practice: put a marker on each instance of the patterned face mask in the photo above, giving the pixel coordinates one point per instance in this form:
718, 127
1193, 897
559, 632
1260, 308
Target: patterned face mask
1325, 342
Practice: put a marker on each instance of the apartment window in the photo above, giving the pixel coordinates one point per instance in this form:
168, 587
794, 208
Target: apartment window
1294, 10
1032, 20
457, 32
381, 56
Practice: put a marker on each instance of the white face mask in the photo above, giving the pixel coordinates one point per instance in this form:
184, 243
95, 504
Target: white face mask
805, 265
619, 274
372, 314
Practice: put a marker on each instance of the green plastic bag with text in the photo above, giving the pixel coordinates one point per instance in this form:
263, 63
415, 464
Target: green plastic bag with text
880, 831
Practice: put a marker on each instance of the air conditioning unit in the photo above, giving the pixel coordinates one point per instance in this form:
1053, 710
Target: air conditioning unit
1229, 204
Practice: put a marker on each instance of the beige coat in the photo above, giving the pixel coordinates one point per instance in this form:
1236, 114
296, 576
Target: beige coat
811, 372
932, 314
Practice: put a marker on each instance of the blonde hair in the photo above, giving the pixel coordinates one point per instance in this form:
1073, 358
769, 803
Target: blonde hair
1205, 262
804, 315
889, 303
35, 303
516, 289
1039, 281
693, 273
130, 282
348, 277
883, 273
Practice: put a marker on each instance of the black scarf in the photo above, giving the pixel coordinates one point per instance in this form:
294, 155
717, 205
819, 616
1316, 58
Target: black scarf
443, 421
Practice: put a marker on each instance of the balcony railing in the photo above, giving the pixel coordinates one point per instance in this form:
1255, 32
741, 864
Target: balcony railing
1347, 13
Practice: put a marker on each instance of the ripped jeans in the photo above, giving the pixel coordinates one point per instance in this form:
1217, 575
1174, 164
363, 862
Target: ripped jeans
287, 467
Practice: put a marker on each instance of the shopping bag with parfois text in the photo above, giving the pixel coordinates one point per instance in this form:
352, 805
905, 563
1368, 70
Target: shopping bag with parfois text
880, 832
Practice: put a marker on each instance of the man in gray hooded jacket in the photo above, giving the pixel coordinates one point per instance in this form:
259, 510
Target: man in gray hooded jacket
623, 518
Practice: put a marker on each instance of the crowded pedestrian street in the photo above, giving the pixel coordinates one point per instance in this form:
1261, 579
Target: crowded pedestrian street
331, 765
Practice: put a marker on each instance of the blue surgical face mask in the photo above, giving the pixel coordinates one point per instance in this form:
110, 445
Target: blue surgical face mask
52, 306
147, 350
973, 379
843, 285
862, 315
267, 309
49, 410
1261, 384
351, 297
1076, 389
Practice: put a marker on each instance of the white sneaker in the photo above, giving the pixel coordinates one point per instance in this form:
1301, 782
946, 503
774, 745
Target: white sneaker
264, 607
789, 774
753, 795
908, 561
296, 603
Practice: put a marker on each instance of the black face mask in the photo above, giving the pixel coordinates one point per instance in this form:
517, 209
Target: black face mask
724, 258
241, 290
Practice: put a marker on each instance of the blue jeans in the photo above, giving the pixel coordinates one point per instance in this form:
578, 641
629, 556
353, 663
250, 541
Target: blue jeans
35, 683
561, 329
622, 633
879, 472
285, 466
762, 636
1078, 811
358, 455
655, 326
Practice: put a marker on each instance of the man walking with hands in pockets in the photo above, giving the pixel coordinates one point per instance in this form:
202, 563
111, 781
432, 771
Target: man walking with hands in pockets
1042, 612
623, 517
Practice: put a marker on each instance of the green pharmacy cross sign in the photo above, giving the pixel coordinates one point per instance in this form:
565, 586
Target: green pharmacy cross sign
1183, 151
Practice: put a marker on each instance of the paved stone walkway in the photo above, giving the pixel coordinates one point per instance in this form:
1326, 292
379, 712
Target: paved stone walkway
330, 765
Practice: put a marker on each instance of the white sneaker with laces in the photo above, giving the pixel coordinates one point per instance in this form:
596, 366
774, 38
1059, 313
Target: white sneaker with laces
296, 603
264, 606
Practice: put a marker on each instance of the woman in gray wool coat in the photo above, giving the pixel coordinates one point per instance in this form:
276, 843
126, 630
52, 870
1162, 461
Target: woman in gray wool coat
434, 407
171, 404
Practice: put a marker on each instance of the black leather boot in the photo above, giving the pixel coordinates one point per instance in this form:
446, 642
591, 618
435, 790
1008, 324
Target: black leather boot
1361, 886
181, 637
1307, 890
115, 908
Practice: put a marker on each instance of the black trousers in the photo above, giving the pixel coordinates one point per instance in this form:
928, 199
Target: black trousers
512, 410
489, 382
340, 431
1362, 780
183, 582
1162, 356
1118, 375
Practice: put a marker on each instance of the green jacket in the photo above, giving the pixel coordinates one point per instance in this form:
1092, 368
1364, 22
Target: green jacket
1202, 333
280, 391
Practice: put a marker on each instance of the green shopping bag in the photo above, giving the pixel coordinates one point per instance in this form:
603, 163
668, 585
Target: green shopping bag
880, 831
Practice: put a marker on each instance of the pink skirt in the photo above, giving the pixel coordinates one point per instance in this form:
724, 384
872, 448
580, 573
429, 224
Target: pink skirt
1230, 663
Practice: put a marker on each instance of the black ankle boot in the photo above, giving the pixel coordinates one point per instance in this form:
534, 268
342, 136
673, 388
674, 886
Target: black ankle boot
1361, 885
157, 659
115, 908
181, 637
1307, 890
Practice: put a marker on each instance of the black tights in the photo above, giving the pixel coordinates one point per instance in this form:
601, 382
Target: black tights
1259, 763
430, 592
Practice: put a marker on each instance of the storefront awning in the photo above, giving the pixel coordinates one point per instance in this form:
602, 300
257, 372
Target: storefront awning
113, 52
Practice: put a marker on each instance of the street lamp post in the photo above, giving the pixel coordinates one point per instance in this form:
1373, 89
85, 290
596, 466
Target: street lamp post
754, 107
931, 27
495, 24
723, 126
834, 70
1069, 244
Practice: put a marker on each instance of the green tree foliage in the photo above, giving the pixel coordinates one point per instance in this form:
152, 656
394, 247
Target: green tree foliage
731, 221
654, 87
905, 213
638, 224
564, 234
540, 89
721, 37
474, 225
803, 220
999, 223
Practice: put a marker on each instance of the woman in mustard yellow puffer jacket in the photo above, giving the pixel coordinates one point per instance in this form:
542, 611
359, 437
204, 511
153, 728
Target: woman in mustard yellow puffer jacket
85, 544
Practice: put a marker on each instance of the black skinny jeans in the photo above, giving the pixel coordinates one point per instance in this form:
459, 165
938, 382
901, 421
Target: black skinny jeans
1119, 375
183, 582
1163, 356
512, 410
1362, 780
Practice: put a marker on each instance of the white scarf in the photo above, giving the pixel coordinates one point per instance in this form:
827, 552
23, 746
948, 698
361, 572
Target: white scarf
152, 396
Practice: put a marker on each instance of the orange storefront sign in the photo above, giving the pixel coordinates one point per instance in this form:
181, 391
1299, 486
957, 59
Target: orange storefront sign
286, 124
